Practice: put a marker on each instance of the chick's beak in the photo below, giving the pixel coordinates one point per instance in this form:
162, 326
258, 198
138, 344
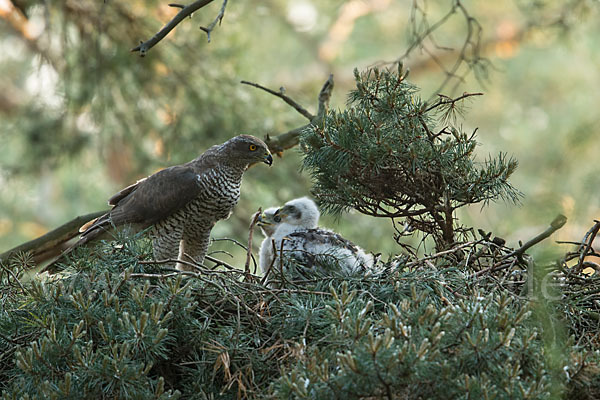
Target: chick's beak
268, 159
278, 215
261, 221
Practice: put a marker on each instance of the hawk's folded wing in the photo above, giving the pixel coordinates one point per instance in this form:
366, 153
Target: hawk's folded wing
156, 197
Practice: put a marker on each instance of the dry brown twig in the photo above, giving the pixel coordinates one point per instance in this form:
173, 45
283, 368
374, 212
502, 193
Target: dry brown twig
587, 241
196, 266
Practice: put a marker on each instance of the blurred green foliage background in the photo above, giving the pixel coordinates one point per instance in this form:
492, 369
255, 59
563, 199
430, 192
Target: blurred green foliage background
81, 116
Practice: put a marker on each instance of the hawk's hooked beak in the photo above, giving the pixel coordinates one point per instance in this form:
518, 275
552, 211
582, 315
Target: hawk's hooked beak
268, 159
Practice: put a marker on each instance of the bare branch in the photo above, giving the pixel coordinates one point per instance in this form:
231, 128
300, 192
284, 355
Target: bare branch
589, 238
277, 144
422, 38
143, 47
218, 19
325, 96
221, 263
504, 263
285, 98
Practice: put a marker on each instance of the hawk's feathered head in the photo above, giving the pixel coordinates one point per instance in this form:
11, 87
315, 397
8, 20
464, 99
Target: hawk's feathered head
247, 150
301, 212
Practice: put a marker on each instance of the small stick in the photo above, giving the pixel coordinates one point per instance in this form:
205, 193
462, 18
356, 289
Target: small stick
589, 239
250, 234
555, 225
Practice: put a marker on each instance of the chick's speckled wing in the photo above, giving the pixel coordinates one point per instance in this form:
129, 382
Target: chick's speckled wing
318, 237
317, 246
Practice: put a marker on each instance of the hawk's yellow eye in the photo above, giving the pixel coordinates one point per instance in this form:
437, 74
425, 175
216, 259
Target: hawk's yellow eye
252, 147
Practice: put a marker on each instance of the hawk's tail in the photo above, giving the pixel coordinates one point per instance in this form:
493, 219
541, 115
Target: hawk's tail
89, 231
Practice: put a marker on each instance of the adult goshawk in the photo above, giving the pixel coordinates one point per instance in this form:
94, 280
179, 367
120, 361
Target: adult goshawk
181, 204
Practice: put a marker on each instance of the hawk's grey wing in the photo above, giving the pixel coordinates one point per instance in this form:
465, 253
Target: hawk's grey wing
115, 199
149, 200
154, 198
157, 197
203, 163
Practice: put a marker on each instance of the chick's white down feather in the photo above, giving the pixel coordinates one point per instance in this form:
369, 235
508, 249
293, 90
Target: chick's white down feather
294, 232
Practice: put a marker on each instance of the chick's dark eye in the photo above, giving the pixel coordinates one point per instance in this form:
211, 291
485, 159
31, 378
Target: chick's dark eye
252, 147
277, 218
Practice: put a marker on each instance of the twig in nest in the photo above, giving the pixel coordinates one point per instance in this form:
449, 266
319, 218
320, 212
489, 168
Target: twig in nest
163, 276
268, 271
15, 278
438, 255
192, 264
250, 234
588, 239
243, 246
176, 261
240, 244
555, 225
221, 263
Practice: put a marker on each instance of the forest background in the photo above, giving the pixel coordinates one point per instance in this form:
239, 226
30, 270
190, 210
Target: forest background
82, 116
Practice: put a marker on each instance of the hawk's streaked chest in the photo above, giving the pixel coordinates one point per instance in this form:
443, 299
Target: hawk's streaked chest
221, 192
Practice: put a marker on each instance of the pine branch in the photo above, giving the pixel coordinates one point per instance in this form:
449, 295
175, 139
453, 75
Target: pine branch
450, 102
382, 157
